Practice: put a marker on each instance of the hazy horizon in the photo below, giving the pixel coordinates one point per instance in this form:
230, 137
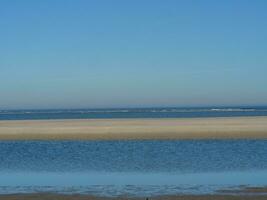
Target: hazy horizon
116, 54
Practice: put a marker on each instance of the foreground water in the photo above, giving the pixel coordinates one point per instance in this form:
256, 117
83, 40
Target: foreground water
138, 168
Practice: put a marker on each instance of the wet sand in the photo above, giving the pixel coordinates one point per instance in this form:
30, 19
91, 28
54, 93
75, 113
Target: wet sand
244, 193
91, 129
86, 197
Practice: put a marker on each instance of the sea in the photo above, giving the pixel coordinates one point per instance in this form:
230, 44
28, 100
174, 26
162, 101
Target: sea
134, 168
170, 112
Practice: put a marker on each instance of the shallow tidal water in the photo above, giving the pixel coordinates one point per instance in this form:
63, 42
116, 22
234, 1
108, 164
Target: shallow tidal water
137, 168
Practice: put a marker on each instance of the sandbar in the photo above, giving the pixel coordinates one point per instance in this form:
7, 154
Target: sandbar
123, 129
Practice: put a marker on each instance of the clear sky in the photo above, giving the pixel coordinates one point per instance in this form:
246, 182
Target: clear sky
128, 53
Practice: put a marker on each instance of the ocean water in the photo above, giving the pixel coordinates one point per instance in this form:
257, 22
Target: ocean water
133, 113
134, 168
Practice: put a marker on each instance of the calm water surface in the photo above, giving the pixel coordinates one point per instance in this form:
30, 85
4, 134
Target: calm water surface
134, 113
131, 167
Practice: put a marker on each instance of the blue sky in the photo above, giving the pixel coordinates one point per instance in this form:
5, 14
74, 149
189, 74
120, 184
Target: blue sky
128, 53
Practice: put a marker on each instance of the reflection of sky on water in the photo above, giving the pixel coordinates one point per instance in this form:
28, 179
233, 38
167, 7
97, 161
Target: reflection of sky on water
133, 184
96, 178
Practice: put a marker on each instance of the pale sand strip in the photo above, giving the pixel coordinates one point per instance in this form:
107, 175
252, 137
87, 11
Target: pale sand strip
197, 128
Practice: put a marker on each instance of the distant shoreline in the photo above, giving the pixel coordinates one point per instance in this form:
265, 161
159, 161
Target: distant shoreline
113, 129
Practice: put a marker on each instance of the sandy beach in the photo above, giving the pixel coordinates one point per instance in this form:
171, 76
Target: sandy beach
91, 129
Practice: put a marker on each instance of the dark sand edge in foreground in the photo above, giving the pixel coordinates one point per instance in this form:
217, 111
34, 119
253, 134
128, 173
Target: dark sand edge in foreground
178, 128
88, 197
253, 193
